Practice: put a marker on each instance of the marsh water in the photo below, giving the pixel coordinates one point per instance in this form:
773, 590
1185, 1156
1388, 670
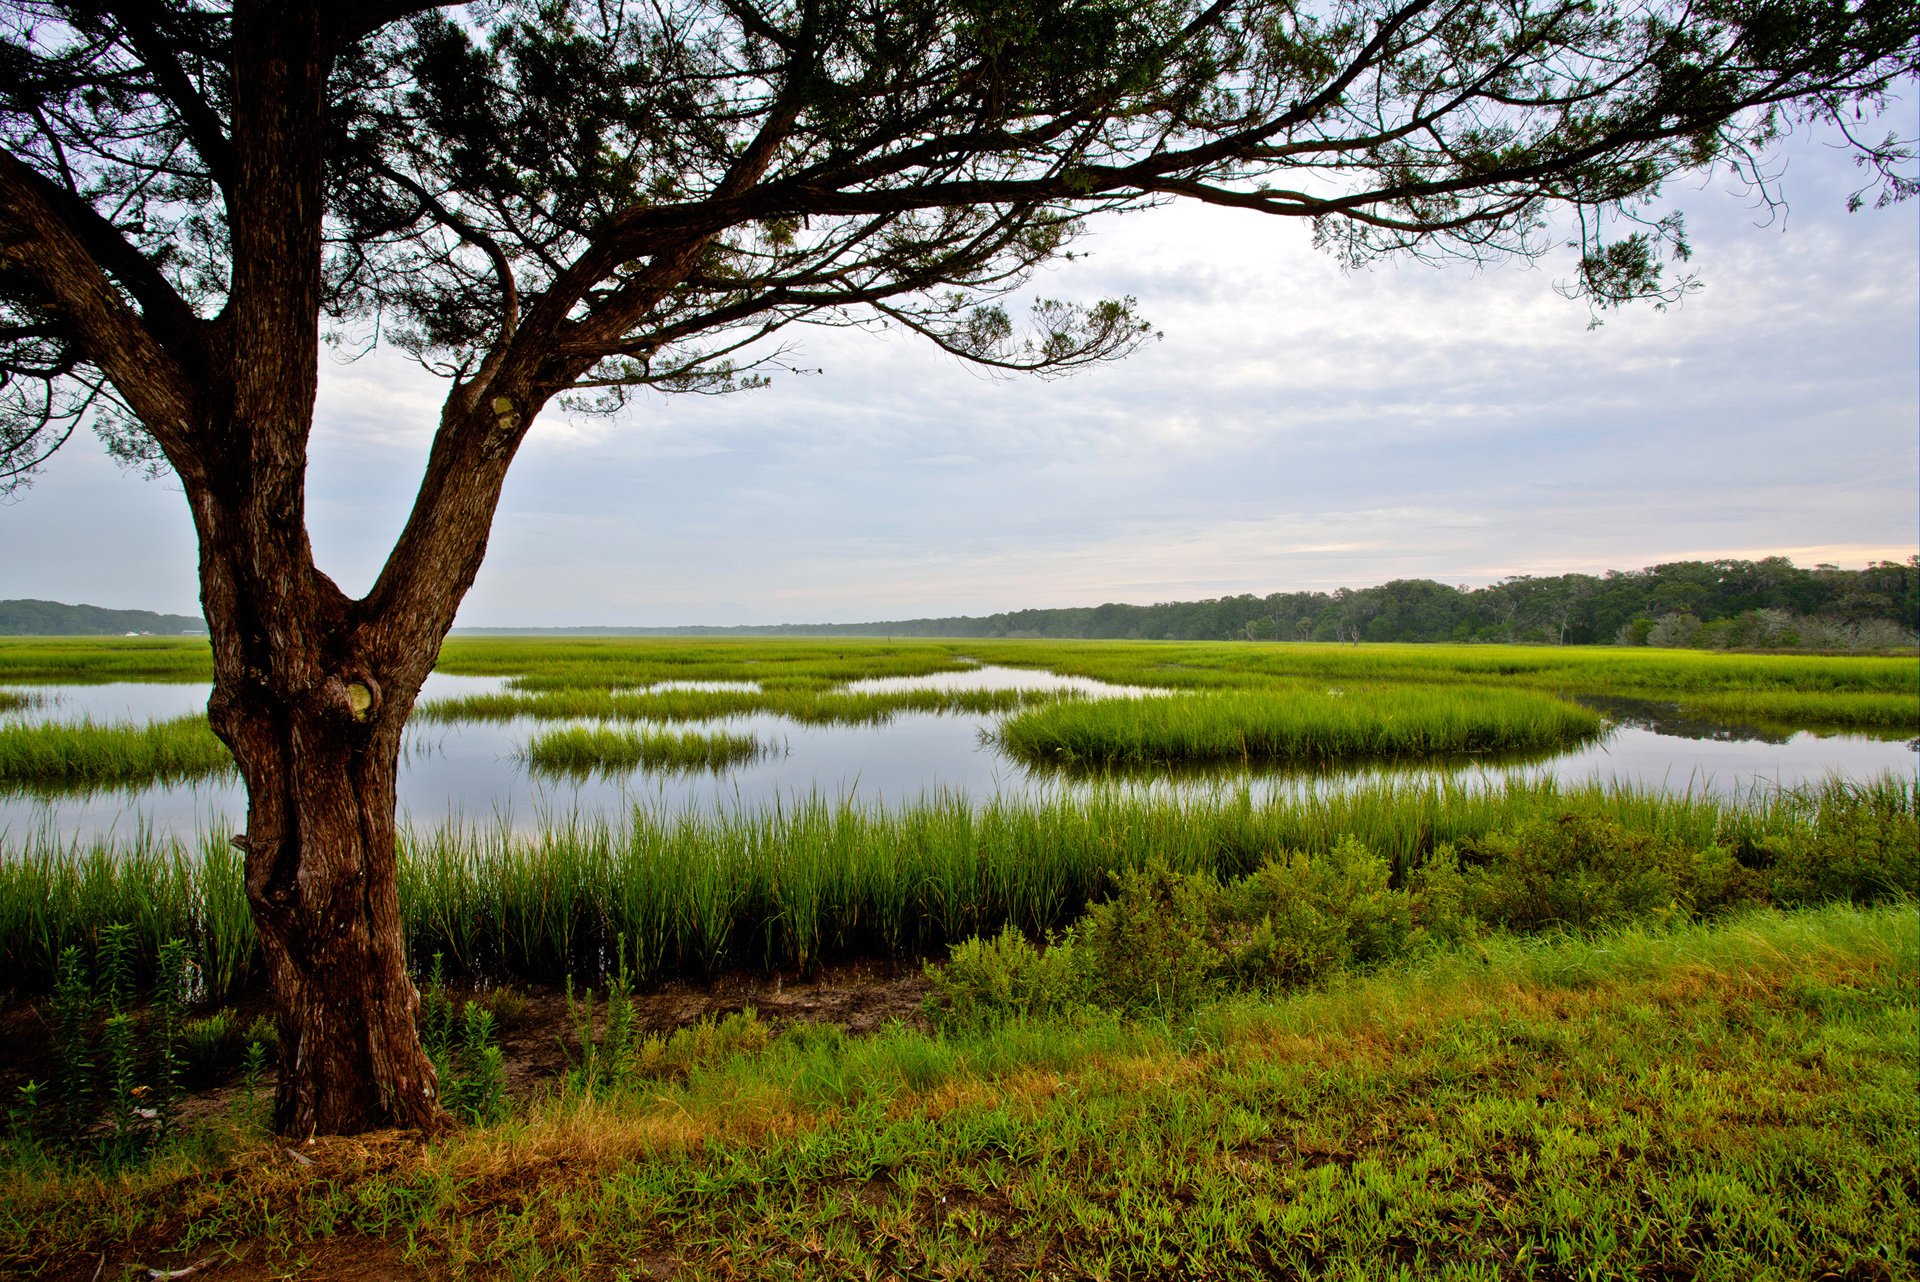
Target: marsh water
475, 774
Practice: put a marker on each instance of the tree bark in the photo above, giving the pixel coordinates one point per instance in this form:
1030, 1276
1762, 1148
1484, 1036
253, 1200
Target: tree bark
320, 758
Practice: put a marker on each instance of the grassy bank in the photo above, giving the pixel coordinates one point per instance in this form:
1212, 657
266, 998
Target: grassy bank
583, 750
1726, 1101
791, 887
817, 707
1314, 725
73, 756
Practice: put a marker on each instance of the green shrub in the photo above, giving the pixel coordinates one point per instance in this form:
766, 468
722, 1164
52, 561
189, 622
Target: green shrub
705, 1044
1864, 847
1579, 871
1437, 894
988, 980
1301, 916
1147, 948
209, 1043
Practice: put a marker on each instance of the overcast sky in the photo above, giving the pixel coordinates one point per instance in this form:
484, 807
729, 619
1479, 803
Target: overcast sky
1297, 427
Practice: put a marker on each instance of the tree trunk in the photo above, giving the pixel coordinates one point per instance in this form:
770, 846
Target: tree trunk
313, 711
321, 879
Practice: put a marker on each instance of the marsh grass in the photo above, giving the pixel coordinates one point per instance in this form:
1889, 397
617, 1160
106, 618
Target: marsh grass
92, 660
78, 756
795, 885
1720, 1101
1299, 725
816, 707
1824, 709
587, 750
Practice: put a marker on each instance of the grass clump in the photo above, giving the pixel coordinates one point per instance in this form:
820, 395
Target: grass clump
57, 756
583, 750
1300, 726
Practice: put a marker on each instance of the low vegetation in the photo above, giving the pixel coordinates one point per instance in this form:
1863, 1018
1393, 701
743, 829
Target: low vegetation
93, 660
699, 893
1304, 725
817, 707
586, 750
1718, 1101
73, 756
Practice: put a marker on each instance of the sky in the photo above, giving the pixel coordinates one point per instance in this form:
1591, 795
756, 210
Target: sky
1296, 427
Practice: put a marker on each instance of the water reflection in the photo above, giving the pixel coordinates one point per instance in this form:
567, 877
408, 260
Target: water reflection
474, 772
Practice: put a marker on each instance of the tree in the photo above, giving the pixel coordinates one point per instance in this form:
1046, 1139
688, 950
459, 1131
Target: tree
573, 200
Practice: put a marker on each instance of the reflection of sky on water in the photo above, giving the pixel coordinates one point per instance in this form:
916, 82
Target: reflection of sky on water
471, 772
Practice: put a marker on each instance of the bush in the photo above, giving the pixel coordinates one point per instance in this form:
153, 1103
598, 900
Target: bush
1865, 848
1299, 917
1147, 948
704, 1044
1578, 872
988, 980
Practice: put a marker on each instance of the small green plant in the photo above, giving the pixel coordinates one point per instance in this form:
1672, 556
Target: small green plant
26, 1120
987, 980
1864, 848
605, 1060
251, 1108
119, 1044
72, 1009
170, 983
473, 1086
206, 1043
1295, 919
1578, 872
707, 1043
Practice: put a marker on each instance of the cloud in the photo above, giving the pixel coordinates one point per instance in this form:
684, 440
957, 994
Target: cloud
1297, 427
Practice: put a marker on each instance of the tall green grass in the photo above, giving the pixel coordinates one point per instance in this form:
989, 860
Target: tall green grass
585, 750
695, 894
69, 756
1308, 725
53, 896
90, 660
1837, 709
806, 706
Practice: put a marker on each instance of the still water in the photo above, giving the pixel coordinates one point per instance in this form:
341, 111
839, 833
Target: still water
472, 773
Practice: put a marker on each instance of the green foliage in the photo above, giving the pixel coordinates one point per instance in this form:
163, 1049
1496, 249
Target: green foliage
580, 750
209, 1043
705, 1044
986, 980
98, 1056
1147, 947
168, 1018
1300, 917
1749, 1082
1864, 847
72, 1010
605, 1048
1578, 872
474, 1088
1295, 725
695, 893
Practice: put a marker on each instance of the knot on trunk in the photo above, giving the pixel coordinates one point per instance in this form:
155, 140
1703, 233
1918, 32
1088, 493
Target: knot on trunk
354, 694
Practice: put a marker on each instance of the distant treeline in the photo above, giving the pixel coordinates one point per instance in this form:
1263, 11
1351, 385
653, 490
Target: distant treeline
1734, 604
52, 619
1769, 604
